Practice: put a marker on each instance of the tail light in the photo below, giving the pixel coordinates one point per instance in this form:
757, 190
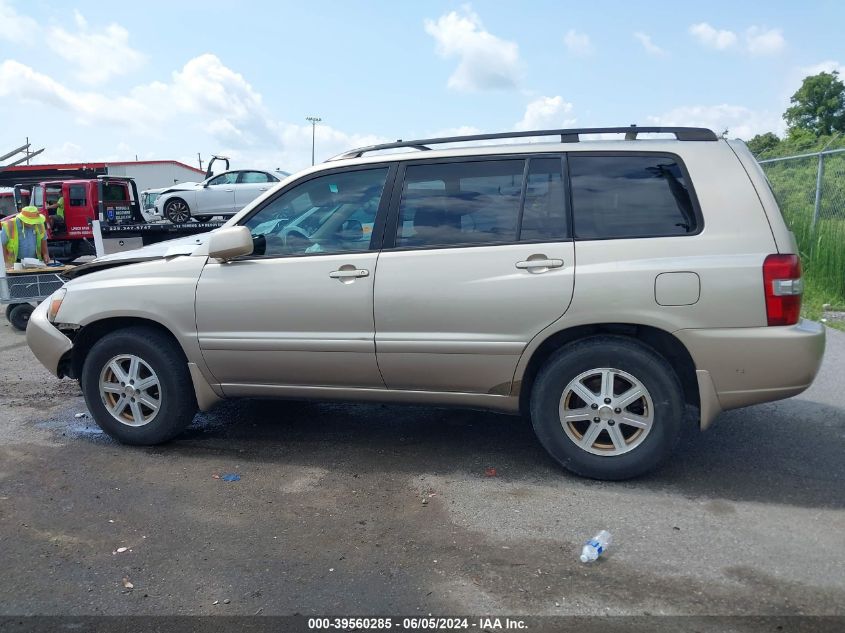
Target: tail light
783, 288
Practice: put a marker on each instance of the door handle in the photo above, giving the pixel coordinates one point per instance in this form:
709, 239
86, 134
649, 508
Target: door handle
229, 190
538, 262
350, 273
263, 188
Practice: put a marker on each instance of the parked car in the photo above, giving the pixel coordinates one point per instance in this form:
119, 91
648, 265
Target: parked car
599, 288
222, 194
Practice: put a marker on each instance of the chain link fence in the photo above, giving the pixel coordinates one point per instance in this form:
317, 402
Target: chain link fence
810, 189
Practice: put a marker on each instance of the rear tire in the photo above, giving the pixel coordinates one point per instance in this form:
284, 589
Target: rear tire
18, 315
137, 386
582, 417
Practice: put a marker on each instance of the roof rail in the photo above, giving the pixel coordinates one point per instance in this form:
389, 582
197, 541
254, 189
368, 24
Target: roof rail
566, 136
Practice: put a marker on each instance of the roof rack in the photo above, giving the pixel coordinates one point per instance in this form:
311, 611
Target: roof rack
566, 136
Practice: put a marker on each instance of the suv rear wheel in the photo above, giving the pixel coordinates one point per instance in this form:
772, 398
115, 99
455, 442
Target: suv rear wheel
607, 407
137, 386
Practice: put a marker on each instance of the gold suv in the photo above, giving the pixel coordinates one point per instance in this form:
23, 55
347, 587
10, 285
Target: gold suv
596, 286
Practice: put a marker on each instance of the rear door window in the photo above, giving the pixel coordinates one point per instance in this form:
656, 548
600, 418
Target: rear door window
628, 196
76, 196
460, 203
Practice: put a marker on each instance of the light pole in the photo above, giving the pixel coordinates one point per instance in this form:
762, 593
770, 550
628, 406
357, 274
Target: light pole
314, 121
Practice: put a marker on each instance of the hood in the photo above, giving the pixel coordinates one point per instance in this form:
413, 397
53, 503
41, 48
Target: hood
182, 186
161, 250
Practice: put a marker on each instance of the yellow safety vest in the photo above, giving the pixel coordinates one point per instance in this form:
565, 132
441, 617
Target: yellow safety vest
11, 227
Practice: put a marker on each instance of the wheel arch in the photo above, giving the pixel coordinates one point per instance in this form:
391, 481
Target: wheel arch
661, 341
84, 339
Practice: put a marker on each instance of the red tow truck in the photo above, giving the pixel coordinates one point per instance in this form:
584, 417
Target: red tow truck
112, 200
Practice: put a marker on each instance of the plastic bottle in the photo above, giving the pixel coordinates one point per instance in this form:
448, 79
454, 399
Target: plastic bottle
595, 547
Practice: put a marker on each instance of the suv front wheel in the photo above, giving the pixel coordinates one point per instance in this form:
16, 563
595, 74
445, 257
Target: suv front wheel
607, 407
137, 386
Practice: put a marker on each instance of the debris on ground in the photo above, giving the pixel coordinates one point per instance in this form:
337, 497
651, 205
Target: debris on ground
215, 602
119, 550
226, 476
489, 472
127, 584
83, 414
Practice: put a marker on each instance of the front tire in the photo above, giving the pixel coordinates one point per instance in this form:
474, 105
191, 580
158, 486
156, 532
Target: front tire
177, 211
137, 386
607, 407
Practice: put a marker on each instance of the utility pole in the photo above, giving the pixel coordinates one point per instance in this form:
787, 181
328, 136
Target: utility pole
199, 158
314, 121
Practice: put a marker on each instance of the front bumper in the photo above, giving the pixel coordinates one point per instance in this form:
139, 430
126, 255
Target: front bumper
46, 342
758, 364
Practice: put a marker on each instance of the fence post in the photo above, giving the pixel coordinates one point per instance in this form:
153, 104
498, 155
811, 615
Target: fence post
818, 203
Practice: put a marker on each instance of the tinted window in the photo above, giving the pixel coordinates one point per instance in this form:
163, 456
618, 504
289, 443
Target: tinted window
330, 214
544, 214
460, 203
228, 178
76, 194
629, 196
252, 177
115, 193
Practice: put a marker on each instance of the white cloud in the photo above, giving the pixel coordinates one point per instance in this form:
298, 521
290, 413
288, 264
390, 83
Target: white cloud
740, 121
14, 27
578, 43
650, 47
485, 62
546, 113
97, 55
713, 38
763, 41
827, 66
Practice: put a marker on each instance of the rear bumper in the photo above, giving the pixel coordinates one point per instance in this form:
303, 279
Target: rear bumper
759, 364
46, 342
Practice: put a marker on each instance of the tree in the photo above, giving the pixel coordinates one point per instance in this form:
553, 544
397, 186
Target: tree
763, 143
818, 105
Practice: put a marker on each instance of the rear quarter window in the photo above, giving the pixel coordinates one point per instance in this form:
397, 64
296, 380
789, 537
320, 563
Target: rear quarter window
627, 196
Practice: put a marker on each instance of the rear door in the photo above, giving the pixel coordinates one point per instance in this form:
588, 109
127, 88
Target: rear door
478, 259
250, 185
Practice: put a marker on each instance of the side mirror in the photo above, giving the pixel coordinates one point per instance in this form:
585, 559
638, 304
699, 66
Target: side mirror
229, 243
205, 185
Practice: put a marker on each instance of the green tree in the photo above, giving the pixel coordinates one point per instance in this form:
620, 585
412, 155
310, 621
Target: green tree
763, 143
818, 106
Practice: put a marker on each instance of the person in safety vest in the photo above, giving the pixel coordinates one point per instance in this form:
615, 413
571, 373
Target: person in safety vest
24, 235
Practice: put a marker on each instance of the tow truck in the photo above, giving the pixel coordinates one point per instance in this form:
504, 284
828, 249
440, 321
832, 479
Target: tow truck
112, 200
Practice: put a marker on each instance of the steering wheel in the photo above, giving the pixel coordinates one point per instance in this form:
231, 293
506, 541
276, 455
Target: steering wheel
296, 242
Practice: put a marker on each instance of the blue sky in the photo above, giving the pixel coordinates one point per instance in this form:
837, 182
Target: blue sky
170, 79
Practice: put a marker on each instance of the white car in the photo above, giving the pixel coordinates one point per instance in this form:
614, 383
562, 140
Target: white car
222, 194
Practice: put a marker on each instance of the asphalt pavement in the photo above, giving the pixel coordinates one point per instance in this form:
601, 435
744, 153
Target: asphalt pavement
371, 509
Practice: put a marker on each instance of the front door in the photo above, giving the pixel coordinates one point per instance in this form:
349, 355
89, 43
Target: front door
481, 262
299, 311
218, 196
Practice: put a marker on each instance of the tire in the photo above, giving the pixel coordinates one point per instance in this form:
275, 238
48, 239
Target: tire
18, 315
158, 357
609, 449
177, 211
203, 218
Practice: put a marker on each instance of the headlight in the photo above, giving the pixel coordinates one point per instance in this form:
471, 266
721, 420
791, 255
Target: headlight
55, 303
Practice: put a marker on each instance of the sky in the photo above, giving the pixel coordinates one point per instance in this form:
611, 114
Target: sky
168, 80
